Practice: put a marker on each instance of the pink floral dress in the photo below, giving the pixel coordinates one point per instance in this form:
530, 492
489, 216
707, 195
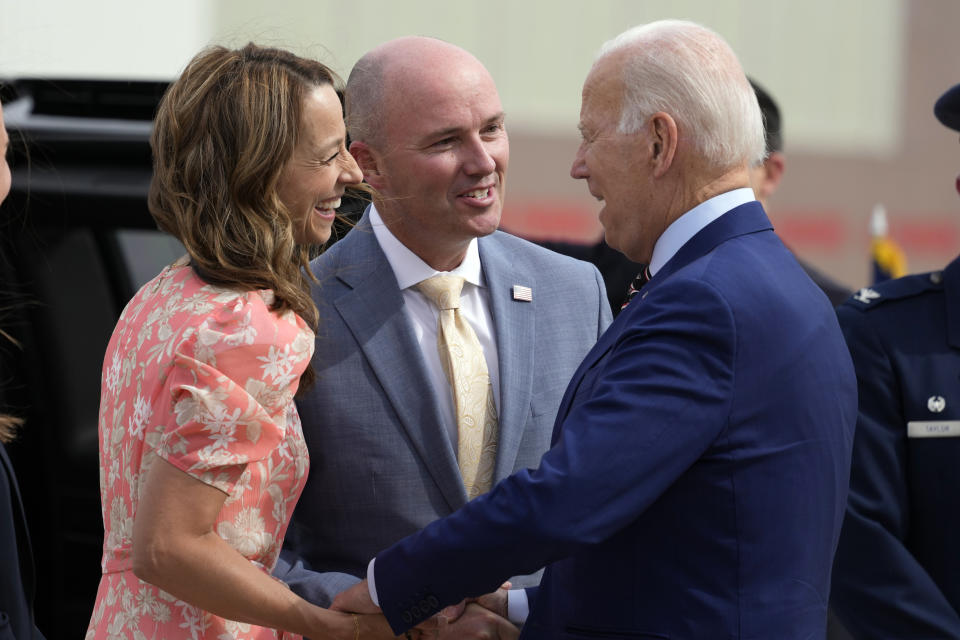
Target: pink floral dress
204, 378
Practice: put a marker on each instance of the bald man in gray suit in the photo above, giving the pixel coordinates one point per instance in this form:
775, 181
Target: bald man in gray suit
428, 132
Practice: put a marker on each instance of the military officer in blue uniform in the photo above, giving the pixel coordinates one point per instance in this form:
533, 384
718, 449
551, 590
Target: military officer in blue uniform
897, 568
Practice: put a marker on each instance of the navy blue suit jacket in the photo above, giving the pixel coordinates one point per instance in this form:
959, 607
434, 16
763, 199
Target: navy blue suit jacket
699, 468
897, 571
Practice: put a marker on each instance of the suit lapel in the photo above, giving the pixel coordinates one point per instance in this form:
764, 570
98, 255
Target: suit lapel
372, 308
514, 324
746, 218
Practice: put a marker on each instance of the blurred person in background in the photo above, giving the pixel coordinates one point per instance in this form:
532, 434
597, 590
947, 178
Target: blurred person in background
202, 457
16, 556
897, 569
765, 179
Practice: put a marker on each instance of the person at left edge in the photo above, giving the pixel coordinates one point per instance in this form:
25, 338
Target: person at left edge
16, 557
698, 473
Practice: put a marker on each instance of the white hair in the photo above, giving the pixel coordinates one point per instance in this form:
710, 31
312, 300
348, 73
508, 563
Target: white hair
691, 73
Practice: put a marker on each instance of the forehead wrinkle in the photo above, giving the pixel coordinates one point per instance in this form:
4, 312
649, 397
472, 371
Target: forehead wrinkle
423, 103
440, 133
498, 117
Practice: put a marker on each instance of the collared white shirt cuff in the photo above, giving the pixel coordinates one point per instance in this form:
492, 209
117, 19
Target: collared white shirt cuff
518, 607
372, 583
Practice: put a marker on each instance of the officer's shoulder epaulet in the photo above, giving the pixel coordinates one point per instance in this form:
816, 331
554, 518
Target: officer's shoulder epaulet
898, 289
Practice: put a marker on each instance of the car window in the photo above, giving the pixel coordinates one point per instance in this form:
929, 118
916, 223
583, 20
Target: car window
145, 253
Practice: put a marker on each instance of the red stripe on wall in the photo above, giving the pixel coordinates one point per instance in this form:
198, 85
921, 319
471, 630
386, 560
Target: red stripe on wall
926, 235
816, 230
545, 220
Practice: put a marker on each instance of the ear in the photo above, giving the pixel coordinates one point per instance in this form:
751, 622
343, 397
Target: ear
662, 129
774, 166
368, 161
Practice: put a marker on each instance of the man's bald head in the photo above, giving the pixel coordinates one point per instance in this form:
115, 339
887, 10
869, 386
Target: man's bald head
399, 71
428, 133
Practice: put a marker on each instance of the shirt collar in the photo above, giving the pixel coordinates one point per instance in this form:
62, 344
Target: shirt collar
690, 223
407, 266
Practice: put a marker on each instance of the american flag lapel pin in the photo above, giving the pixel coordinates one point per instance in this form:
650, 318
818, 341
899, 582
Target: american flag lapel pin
522, 293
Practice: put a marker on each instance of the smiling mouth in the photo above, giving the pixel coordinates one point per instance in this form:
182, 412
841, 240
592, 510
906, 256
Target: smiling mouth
328, 206
477, 194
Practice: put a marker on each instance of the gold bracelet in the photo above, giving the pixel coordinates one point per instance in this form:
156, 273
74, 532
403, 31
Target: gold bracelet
356, 626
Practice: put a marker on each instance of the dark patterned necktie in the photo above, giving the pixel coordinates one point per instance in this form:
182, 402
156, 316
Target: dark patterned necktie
642, 278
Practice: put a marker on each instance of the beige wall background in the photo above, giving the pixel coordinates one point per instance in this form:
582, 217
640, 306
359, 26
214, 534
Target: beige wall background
856, 80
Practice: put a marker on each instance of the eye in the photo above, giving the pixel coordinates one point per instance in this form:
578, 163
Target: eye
330, 159
444, 142
494, 127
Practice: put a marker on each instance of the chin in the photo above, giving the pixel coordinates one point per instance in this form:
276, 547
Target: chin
318, 235
611, 240
486, 224
312, 239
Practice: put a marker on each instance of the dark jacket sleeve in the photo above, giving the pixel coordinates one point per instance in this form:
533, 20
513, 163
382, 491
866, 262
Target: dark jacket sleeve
16, 561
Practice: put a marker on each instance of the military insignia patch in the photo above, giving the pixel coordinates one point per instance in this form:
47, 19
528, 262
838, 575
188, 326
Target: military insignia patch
866, 295
936, 404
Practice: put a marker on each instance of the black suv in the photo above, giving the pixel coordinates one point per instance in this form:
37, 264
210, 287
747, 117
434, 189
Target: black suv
76, 242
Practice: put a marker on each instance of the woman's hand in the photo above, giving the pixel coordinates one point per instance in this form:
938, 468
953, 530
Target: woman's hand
354, 626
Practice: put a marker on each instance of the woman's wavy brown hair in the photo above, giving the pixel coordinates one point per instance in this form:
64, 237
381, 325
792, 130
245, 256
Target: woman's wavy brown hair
8, 423
8, 427
222, 135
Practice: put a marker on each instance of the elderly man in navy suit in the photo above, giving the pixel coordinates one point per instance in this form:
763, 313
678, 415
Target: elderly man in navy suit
698, 473
897, 571
404, 426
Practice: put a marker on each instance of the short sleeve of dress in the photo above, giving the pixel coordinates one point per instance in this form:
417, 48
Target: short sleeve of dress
230, 387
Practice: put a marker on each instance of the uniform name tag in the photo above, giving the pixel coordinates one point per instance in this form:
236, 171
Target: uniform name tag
933, 429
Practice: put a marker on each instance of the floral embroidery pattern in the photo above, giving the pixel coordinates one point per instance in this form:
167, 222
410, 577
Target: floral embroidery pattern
204, 378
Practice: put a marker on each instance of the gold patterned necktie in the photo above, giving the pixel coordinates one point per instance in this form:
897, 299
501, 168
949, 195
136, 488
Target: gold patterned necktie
466, 369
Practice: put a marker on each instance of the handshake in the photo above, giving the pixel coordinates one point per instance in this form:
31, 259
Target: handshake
481, 618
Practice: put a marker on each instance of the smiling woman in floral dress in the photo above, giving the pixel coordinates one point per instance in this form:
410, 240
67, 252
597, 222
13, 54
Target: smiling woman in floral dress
201, 453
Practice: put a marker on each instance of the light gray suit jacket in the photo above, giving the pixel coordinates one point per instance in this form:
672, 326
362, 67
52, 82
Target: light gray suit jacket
381, 463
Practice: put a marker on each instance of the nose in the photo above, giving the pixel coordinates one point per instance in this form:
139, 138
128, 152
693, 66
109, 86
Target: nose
479, 159
579, 169
350, 173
